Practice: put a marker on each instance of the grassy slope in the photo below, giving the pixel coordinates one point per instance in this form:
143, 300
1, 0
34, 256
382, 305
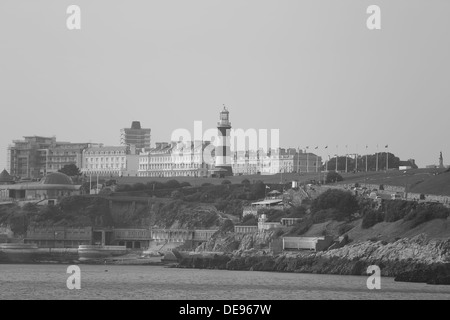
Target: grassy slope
388, 231
420, 180
270, 179
439, 184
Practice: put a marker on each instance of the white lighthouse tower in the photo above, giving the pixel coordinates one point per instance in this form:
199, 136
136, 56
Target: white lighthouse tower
223, 152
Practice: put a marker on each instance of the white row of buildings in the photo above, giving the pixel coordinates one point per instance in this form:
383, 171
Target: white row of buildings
197, 159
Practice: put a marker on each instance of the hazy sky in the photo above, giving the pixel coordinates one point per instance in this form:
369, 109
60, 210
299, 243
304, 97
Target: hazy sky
310, 68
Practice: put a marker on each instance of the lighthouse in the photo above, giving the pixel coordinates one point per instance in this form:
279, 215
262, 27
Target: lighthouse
223, 152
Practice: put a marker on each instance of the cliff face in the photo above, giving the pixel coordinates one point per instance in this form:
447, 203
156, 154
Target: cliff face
413, 259
230, 242
417, 249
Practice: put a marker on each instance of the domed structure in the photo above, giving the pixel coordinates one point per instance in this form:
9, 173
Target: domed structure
57, 178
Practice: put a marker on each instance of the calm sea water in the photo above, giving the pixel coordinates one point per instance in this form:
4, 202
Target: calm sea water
142, 282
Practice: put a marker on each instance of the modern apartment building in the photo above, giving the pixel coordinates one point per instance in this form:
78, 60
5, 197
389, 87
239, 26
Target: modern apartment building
35, 156
135, 136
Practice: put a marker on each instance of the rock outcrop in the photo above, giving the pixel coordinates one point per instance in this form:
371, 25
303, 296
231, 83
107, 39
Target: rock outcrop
413, 260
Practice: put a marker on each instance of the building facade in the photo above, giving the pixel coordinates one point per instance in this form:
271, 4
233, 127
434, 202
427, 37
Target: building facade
136, 136
176, 159
275, 161
34, 157
110, 161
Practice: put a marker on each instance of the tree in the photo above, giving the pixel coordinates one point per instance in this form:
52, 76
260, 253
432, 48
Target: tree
71, 170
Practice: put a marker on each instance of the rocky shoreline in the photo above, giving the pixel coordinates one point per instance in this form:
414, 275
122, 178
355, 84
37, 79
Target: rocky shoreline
408, 260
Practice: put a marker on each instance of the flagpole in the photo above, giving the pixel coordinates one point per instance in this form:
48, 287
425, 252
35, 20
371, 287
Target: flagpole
366, 158
387, 158
307, 160
377, 160
346, 159
337, 154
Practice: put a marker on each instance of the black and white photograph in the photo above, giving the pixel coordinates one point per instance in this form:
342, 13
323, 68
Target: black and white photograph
224, 157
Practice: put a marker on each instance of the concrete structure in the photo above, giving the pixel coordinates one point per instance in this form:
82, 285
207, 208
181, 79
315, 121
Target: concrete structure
224, 159
263, 225
135, 136
287, 222
181, 235
131, 238
276, 204
307, 243
112, 161
245, 229
49, 190
34, 157
58, 237
176, 159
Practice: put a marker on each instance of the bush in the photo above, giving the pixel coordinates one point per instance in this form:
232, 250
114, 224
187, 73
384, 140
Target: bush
245, 182
344, 229
224, 182
138, 187
185, 184
333, 177
301, 227
172, 184
249, 220
206, 184
176, 194
427, 212
343, 203
371, 218
258, 189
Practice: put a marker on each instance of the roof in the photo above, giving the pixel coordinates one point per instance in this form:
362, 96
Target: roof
112, 148
56, 178
53, 181
5, 177
267, 202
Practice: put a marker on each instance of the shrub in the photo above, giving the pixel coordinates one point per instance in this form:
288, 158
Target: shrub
343, 203
249, 220
371, 218
138, 187
245, 182
206, 184
176, 194
185, 184
172, 184
344, 229
333, 176
224, 182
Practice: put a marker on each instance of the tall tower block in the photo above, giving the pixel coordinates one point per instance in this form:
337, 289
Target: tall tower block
223, 151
